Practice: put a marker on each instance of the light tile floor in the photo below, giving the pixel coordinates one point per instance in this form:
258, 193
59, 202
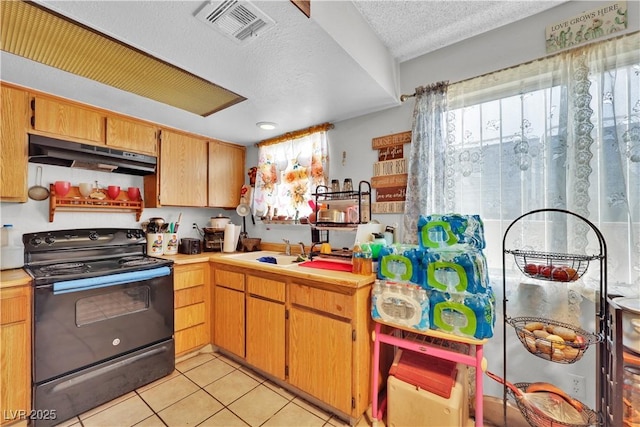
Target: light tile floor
209, 390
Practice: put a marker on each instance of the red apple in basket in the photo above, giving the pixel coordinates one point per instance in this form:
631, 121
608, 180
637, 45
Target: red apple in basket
560, 274
531, 269
546, 270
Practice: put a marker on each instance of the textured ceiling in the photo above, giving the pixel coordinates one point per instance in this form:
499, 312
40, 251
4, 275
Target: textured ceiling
412, 28
337, 65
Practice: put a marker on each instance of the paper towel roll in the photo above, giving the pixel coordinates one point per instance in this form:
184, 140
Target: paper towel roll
231, 235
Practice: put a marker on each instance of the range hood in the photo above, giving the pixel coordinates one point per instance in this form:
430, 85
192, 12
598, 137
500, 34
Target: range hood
51, 151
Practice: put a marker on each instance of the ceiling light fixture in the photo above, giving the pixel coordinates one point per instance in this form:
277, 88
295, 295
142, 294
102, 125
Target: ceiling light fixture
267, 125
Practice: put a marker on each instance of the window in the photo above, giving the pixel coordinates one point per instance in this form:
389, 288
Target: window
289, 171
562, 132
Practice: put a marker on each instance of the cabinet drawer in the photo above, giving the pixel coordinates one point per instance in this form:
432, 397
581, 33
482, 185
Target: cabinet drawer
188, 296
229, 279
191, 338
14, 309
318, 299
271, 289
188, 276
189, 316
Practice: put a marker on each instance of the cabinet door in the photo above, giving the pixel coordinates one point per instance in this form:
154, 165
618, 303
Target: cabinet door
320, 357
183, 170
66, 119
265, 335
228, 320
13, 145
226, 174
15, 352
132, 136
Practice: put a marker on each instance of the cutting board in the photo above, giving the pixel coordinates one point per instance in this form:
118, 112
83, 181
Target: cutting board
327, 265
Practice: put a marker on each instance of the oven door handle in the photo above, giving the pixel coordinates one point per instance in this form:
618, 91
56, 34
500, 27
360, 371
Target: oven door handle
108, 280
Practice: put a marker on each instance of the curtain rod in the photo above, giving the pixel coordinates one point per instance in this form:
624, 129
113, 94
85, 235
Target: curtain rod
404, 97
296, 134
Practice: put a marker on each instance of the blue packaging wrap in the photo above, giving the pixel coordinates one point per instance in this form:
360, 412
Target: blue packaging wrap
455, 271
401, 263
466, 315
450, 231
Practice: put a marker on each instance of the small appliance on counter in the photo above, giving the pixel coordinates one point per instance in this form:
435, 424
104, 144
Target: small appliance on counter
213, 239
190, 246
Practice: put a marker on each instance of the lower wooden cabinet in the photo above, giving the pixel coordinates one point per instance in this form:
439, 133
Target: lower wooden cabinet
265, 343
312, 336
15, 353
321, 357
228, 311
192, 296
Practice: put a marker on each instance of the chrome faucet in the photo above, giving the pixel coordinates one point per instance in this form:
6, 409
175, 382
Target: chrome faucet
287, 248
302, 252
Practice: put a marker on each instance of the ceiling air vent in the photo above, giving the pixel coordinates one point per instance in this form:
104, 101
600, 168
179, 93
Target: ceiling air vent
239, 20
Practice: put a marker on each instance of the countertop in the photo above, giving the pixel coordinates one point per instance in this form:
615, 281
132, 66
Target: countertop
19, 277
14, 277
340, 278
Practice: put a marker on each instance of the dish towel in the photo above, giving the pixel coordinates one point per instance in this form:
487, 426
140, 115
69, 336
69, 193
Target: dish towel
108, 280
328, 265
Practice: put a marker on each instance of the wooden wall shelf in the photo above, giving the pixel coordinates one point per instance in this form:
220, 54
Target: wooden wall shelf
74, 201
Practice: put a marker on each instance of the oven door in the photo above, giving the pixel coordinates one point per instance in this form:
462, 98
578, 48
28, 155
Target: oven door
78, 326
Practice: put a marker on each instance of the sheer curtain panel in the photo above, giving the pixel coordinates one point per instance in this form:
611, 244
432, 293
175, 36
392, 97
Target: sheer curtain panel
560, 132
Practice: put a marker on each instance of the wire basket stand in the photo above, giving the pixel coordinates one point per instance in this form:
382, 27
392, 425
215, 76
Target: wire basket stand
559, 267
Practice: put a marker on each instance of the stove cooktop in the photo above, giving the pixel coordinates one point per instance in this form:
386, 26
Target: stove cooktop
71, 270
55, 256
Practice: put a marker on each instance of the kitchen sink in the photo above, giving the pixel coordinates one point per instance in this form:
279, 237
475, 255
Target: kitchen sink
282, 260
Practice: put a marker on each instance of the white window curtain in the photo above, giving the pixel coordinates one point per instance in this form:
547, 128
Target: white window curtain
561, 132
288, 173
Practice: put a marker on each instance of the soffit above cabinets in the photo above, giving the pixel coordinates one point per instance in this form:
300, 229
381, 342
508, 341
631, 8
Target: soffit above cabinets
38, 34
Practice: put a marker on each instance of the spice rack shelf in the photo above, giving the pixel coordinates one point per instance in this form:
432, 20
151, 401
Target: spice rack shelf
73, 201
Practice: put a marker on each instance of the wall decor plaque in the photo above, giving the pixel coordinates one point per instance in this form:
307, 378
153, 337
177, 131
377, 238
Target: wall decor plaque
586, 27
391, 140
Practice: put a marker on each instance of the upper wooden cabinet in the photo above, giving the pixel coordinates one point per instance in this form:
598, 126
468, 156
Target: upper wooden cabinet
226, 174
63, 118
13, 145
181, 179
129, 135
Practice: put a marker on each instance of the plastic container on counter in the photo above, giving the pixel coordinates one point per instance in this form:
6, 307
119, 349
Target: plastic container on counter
12, 248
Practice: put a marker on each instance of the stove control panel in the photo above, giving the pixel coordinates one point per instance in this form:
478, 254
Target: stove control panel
135, 234
83, 238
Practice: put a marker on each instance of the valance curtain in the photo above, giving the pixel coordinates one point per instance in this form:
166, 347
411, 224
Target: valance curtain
288, 173
561, 132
